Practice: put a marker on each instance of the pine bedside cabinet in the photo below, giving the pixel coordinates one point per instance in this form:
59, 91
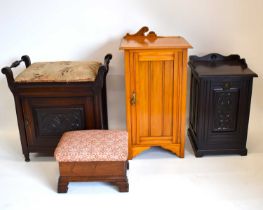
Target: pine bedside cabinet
156, 75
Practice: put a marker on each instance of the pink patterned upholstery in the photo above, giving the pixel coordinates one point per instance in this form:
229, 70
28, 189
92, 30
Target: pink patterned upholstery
92, 145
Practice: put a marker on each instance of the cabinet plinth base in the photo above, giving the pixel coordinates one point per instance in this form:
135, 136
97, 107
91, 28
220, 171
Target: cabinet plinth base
201, 152
174, 148
134, 151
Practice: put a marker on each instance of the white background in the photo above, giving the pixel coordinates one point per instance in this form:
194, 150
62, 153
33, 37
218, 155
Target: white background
53, 30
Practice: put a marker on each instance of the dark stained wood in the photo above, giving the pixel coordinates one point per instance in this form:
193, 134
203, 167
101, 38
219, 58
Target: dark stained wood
220, 97
102, 171
218, 65
46, 110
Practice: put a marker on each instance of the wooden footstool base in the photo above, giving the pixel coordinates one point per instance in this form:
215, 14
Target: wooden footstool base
97, 171
93, 155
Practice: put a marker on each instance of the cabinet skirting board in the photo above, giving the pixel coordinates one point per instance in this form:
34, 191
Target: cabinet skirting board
174, 148
201, 152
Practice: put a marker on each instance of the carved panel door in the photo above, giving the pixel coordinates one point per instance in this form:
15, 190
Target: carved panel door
155, 80
46, 119
225, 115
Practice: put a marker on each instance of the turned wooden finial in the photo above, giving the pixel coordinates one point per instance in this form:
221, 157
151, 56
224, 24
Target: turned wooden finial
141, 33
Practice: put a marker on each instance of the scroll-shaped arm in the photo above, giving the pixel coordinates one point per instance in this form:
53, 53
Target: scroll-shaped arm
9, 76
107, 59
103, 70
8, 70
100, 88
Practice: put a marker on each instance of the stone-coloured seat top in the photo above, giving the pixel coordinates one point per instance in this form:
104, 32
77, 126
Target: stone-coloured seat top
60, 71
92, 145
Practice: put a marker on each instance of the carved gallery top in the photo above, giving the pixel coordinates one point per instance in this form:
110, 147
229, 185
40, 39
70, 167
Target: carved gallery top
218, 65
141, 41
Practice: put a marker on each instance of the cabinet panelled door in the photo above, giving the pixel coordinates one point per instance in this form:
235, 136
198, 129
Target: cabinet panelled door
156, 97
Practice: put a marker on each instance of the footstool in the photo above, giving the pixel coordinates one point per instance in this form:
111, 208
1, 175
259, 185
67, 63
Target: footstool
93, 155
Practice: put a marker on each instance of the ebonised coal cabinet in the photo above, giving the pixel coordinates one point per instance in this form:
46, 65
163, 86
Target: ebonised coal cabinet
46, 109
220, 97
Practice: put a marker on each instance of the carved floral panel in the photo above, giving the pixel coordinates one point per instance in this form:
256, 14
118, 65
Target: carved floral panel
55, 121
225, 110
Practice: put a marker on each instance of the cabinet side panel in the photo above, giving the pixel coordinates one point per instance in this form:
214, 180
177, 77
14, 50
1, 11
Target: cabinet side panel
194, 103
183, 69
168, 84
176, 99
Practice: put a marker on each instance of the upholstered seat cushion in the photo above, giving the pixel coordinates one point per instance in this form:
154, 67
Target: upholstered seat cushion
61, 71
92, 145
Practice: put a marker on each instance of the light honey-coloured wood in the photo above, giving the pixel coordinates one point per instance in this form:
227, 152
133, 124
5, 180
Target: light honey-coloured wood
155, 73
171, 42
151, 41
